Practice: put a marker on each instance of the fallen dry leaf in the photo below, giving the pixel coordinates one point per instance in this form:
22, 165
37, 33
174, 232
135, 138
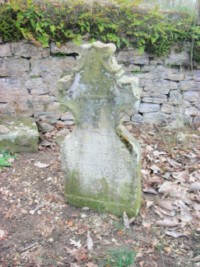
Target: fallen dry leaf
3, 234
40, 164
90, 243
79, 254
168, 222
197, 258
175, 234
77, 244
165, 204
91, 264
194, 187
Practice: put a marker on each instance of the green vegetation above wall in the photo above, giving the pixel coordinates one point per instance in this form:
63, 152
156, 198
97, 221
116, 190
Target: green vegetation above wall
124, 24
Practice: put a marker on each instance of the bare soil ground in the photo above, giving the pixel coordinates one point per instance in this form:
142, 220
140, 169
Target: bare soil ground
37, 227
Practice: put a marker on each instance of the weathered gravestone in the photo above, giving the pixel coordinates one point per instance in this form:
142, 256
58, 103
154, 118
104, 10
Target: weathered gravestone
101, 159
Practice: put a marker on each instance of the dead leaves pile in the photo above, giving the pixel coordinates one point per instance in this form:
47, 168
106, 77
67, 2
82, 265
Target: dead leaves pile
32, 202
171, 181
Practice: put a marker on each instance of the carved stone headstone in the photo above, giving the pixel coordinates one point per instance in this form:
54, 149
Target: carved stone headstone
101, 159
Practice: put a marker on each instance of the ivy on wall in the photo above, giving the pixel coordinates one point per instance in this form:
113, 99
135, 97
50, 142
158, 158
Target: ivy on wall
124, 24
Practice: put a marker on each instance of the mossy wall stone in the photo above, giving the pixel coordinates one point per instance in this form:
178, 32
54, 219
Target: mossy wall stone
21, 134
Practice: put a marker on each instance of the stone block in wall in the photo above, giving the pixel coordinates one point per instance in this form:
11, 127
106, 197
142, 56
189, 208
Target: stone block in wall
147, 76
14, 67
5, 50
26, 50
67, 48
155, 100
155, 118
196, 76
175, 76
36, 86
41, 67
178, 59
153, 94
188, 85
192, 111
67, 116
144, 82
15, 97
175, 97
17, 105
148, 68
132, 68
51, 80
181, 118
148, 107
54, 108
137, 118
161, 86
40, 103
50, 117
197, 121
191, 96
132, 56
167, 108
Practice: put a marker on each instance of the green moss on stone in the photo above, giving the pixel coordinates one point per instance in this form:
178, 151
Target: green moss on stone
103, 201
22, 136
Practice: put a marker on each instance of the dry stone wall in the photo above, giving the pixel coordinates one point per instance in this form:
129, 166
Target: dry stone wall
29, 75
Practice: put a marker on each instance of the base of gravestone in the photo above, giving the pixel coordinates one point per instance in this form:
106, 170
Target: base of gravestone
107, 178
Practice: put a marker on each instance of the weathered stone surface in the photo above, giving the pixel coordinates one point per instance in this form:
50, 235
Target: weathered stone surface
67, 48
191, 96
132, 68
26, 50
40, 103
14, 67
45, 127
148, 68
175, 97
140, 60
67, 116
192, 111
132, 56
22, 135
36, 86
100, 171
197, 121
4, 129
33, 71
153, 94
197, 75
137, 118
14, 98
146, 107
168, 108
161, 86
175, 76
40, 67
144, 82
154, 118
60, 136
155, 100
178, 59
5, 50
188, 85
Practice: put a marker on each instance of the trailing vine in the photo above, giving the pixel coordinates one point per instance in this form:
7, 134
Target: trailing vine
124, 24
